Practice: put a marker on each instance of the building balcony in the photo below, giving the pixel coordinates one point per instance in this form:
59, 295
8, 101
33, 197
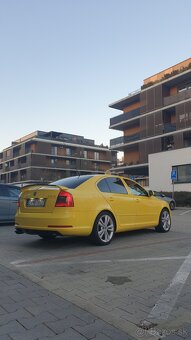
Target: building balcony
124, 117
177, 97
119, 141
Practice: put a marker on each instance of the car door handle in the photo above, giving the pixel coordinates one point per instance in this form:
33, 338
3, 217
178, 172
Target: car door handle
137, 200
111, 199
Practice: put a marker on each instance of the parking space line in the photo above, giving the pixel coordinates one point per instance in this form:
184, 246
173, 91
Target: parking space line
24, 263
166, 302
185, 212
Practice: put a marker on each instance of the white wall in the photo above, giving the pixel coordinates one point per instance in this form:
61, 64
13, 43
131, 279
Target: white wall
160, 167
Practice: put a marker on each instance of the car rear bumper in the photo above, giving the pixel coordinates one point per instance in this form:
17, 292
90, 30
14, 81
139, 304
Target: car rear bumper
64, 230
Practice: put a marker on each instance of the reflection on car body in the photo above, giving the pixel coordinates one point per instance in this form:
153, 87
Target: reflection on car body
90, 205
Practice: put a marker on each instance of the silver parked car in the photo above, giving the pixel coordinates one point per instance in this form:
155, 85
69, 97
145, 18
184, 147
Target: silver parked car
8, 202
170, 200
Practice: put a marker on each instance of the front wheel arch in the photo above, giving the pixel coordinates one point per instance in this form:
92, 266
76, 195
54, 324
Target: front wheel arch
164, 224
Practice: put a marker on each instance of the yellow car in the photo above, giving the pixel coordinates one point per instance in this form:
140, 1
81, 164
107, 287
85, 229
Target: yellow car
90, 205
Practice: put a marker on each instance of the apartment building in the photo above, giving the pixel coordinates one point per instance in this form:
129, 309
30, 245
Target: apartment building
154, 119
47, 156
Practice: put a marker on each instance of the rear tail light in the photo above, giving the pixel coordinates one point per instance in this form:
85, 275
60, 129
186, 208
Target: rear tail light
64, 199
19, 201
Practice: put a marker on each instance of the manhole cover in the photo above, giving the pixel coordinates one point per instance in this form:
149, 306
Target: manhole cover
118, 280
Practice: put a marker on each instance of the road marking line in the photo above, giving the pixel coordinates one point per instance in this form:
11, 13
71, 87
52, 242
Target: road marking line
185, 212
22, 263
165, 304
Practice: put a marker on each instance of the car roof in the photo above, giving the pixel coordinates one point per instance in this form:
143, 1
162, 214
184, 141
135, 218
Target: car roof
9, 185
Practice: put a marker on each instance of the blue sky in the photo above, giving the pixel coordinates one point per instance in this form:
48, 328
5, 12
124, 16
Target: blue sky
64, 61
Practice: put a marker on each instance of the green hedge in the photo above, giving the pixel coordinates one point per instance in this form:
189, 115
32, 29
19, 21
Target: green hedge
182, 198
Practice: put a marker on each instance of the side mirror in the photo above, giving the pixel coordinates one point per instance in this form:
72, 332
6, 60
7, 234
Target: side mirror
150, 193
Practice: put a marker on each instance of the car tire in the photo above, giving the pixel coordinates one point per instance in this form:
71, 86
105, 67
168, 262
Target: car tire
103, 229
172, 205
164, 222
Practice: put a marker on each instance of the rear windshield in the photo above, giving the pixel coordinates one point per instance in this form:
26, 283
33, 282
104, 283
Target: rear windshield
72, 182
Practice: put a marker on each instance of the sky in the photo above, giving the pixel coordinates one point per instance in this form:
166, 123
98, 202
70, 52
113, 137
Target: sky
62, 62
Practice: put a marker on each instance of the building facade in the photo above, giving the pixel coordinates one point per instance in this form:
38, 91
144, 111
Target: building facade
160, 177
47, 156
154, 119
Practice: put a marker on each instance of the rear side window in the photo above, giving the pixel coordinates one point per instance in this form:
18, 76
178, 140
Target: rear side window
72, 182
103, 186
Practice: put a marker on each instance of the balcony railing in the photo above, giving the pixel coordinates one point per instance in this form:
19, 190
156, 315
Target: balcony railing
168, 127
125, 116
120, 141
117, 141
124, 139
177, 97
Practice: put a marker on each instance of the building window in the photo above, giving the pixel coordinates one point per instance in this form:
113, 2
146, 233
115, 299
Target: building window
53, 161
96, 156
167, 143
85, 154
23, 174
54, 150
96, 167
8, 153
183, 173
187, 138
16, 152
68, 152
22, 160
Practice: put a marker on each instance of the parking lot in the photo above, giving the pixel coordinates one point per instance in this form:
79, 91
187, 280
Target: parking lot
139, 284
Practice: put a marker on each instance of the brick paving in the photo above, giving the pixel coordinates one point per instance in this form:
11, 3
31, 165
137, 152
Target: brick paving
69, 290
28, 311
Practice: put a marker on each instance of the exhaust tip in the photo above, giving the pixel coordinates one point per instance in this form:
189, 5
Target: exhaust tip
19, 231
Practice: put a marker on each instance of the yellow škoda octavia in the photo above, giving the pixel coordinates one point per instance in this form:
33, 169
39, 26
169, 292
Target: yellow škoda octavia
91, 205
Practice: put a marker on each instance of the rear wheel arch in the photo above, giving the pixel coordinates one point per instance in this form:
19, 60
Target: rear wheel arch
104, 228
109, 212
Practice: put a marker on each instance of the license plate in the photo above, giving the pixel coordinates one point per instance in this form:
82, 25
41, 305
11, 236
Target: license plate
35, 202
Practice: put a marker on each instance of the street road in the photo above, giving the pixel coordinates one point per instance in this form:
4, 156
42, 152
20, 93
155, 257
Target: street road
140, 283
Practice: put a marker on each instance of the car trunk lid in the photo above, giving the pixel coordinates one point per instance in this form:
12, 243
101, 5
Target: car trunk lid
41, 199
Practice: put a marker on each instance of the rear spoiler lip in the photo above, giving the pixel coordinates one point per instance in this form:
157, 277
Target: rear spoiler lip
41, 185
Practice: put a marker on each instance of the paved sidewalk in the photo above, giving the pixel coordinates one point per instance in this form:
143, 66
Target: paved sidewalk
28, 311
